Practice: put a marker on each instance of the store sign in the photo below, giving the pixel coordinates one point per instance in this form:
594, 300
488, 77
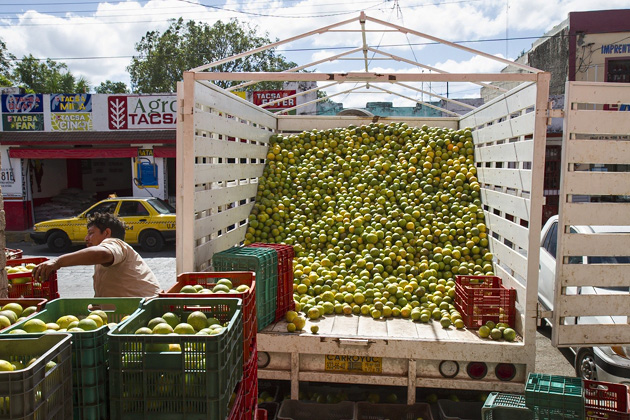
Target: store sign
141, 112
262, 97
22, 112
27, 122
615, 49
71, 112
10, 175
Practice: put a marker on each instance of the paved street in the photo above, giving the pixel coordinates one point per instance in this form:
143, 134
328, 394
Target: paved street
77, 282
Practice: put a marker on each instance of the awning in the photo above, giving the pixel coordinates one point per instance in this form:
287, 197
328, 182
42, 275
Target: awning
91, 153
164, 152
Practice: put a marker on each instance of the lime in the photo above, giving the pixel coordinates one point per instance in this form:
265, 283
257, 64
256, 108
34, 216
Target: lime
484, 331
496, 334
314, 329
509, 334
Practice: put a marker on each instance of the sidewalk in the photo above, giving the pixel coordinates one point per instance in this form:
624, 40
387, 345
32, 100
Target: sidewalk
18, 236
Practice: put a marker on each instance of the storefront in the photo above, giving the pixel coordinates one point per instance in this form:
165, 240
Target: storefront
66, 151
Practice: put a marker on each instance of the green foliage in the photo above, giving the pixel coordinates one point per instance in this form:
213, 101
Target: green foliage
5, 65
47, 77
164, 57
111, 87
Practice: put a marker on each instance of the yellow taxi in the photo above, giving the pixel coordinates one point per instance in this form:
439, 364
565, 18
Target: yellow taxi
150, 223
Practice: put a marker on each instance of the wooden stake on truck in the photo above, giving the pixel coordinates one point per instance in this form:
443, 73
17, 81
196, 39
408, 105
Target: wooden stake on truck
217, 183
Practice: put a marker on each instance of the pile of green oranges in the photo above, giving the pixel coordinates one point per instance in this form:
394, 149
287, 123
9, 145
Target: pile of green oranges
382, 218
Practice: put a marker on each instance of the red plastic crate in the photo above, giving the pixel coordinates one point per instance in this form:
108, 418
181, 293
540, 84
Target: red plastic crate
480, 299
13, 254
261, 414
237, 412
244, 405
208, 279
250, 380
284, 299
25, 302
47, 289
605, 400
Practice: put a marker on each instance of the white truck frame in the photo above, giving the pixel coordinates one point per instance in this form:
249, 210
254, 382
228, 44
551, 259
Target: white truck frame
593, 135
222, 143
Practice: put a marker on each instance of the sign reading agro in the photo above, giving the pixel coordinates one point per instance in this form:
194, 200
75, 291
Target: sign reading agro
141, 112
71, 112
22, 112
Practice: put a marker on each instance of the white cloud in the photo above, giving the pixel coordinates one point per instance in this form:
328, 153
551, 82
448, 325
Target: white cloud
103, 42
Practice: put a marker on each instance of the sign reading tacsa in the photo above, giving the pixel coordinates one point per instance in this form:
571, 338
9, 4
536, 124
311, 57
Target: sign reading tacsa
261, 97
141, 112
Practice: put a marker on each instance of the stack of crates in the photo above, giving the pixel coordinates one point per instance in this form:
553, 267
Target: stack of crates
284, 300
43, 388
89, 349
263, 262
208, 280
554, 396
22, 285
178, 376
480, 299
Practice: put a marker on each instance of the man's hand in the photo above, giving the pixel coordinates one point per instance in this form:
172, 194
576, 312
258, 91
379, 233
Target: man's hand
42, 271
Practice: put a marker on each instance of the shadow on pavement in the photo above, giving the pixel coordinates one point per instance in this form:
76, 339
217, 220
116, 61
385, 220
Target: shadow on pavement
34, 250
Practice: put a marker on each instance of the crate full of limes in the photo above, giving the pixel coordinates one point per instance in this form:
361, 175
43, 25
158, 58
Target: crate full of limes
36, 377
263, 262
88, 320
177, 358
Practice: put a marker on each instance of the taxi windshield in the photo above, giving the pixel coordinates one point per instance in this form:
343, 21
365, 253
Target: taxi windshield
161, 207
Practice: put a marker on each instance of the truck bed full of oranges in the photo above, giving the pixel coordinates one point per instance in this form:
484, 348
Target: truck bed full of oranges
382, 218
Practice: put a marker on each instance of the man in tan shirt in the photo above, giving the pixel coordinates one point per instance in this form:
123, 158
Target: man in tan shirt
119, 271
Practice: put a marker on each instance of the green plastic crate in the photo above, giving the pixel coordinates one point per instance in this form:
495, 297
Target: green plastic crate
500, 406
150, 380
262, 261
89, 349
33, 392
555, 397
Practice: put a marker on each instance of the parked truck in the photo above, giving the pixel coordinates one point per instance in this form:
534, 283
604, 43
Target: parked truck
221, 150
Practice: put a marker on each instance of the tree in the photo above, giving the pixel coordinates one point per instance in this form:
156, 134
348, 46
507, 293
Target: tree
5, 65
163, 57
111, 87
47, 77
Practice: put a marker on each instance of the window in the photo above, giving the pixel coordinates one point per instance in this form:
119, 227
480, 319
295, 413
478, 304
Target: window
161, 206
618, 71
132, 208
551, 240
107, 207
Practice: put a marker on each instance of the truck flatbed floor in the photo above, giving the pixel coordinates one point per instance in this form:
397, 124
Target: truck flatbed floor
363, 327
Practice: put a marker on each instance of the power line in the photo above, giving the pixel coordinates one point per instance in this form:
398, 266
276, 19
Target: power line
220, 8
314, 49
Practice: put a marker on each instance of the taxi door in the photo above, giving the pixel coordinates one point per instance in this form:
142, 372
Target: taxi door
136, 216
79, 228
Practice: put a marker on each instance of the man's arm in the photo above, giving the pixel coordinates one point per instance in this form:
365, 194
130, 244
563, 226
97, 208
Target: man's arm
88, 256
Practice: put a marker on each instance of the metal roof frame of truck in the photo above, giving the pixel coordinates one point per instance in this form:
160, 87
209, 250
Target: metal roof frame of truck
217, 180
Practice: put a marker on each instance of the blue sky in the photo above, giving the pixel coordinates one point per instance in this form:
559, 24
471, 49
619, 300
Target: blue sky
96, 39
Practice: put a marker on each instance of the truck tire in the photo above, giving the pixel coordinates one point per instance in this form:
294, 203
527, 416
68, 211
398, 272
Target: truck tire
585, 367
151, 241
58, 241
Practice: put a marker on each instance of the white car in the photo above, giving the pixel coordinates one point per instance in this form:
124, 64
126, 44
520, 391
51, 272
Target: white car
609, 364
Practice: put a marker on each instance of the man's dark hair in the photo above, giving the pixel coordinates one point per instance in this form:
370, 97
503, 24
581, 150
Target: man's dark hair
107, 220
